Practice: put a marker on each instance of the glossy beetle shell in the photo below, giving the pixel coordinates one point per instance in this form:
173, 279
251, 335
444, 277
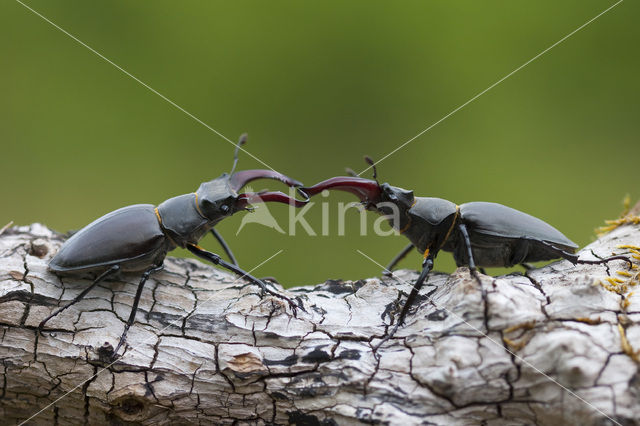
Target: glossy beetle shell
130, 237
502, 221
500, 235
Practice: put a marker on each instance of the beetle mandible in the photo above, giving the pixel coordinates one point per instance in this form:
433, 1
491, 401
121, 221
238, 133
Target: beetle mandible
138, 237
479, 234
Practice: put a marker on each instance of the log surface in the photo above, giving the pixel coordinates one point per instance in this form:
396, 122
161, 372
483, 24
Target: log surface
557, 345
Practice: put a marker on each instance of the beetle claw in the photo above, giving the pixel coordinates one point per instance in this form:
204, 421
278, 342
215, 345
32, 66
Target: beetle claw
243, 177
293, 305
367, 190
245, 199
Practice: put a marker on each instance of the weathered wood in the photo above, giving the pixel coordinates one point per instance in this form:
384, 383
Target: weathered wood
558, 345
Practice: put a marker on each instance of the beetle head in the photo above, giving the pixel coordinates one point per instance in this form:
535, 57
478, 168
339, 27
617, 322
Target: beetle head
219, 198
402, 198
216, 199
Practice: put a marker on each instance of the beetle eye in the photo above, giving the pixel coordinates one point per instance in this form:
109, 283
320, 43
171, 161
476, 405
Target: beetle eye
224, 209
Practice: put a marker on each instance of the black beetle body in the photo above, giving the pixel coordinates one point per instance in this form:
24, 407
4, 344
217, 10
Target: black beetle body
130, 237
138, 237
500, 236
478, 234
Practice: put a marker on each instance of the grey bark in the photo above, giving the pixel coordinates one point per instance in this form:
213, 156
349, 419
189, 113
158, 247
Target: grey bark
555, 346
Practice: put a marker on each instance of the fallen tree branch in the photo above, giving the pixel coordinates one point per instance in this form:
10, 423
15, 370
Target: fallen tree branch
557, 345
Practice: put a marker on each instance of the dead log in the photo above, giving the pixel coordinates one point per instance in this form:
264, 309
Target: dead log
558, 345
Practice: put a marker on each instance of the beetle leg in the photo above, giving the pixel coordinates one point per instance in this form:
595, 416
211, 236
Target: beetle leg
216, 260
136, 300
224, 245
606, 260
395, 260
573, 258
427, 265
272, 280
105, 274
467, 243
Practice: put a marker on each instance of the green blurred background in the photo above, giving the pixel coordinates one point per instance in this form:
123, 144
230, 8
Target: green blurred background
316, 86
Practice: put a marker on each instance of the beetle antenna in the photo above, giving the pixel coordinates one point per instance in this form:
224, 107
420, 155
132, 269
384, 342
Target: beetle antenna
350, 172
372, 164
241, 141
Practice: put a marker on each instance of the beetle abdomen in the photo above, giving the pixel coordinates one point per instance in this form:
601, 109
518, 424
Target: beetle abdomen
491, 251
505, 222
130, 237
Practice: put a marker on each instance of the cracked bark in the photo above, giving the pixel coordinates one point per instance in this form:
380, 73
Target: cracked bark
557, 345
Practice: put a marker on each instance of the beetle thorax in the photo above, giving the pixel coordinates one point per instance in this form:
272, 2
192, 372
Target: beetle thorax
181, 220
430, 222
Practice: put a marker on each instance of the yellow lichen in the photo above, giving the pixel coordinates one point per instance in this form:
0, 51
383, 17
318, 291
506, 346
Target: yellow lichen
525, 325
624, 303
625, 219
516, 346
630, 279
615, 285
590, 321
626, 346
613, 224
621, 286
608, 286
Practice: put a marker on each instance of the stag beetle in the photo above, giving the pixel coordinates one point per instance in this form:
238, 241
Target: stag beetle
479, 234
138, 237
